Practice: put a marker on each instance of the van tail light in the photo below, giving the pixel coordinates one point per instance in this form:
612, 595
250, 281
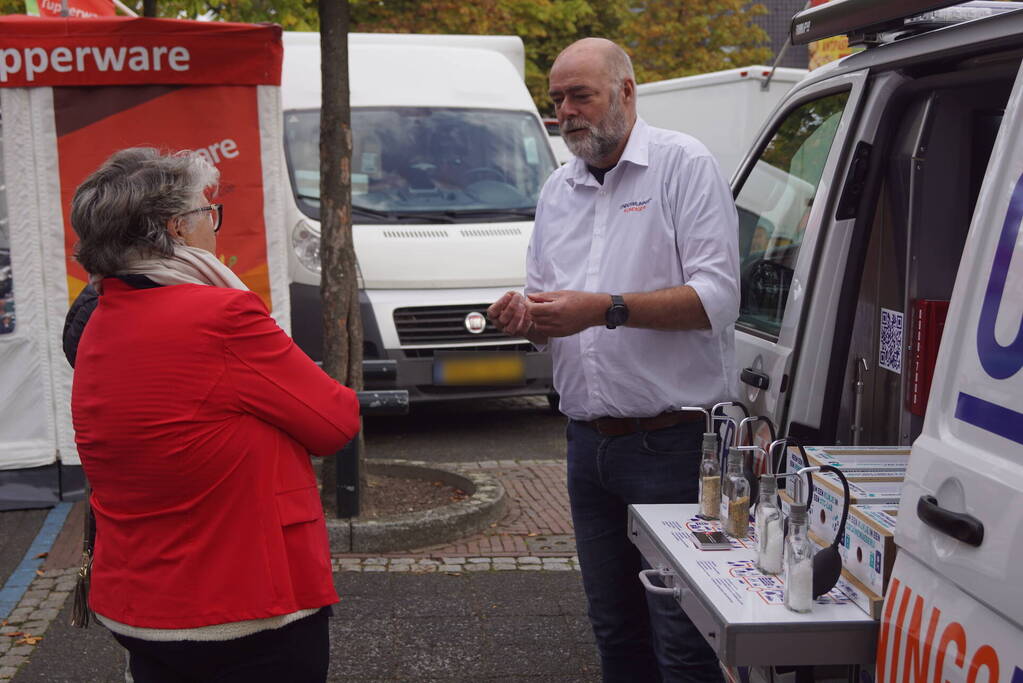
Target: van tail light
928, 322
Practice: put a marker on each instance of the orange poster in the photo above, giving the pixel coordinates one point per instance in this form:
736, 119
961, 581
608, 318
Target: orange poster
221, 122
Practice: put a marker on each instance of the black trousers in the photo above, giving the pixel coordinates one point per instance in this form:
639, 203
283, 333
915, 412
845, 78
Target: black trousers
298, 653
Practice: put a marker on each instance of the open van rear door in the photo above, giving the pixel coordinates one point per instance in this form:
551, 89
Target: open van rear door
956, 582
785, 197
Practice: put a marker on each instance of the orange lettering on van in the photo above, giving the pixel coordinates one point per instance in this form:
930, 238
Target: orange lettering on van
882, 639
984, 657
897, 645
917, 664
953, 633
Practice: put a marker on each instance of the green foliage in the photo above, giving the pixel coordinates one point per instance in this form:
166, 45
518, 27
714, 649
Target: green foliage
673, 38
666, 38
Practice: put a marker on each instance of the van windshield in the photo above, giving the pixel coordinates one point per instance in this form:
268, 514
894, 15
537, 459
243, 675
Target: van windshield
424, 164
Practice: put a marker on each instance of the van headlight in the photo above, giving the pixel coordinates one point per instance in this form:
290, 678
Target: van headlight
305, 240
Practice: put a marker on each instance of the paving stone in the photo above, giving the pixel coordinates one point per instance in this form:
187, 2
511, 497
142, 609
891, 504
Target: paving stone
36, 628
44, 583
7, 671
399, 568
479, 560
35, 595
351, 567
5, 644
504, 560
426, 563
370, 561
374, 568
529, 560
423, 569
20, 651
530, 567
11, 660
557, 568
401, 560
30, 602
477, 567
47, 614
488, 464
505, 567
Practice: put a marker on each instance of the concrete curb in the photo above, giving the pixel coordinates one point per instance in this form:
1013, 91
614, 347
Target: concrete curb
485, 504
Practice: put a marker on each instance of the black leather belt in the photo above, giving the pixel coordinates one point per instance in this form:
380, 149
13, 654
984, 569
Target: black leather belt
620, 426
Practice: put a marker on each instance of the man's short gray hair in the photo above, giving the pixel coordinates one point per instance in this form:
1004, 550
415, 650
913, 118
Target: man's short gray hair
619, 65
120, 212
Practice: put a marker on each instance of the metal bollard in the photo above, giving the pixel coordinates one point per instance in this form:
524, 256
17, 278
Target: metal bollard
393, 402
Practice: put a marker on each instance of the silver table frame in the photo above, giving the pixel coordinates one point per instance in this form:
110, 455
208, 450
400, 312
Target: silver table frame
809, 642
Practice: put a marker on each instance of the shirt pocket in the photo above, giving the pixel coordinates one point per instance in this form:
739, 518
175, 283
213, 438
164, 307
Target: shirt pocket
299, 505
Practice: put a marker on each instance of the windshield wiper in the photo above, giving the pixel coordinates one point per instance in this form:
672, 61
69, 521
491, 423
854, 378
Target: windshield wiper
529, 213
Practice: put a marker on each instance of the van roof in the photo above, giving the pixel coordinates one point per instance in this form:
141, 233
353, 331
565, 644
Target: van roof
980, 36
409, 76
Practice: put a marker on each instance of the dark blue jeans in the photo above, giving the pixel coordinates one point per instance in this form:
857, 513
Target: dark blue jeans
641, 637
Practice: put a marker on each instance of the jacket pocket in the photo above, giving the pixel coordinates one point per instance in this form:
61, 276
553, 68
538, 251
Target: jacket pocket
299, 505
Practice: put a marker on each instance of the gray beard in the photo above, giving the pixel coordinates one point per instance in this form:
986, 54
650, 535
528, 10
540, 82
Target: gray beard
603, 137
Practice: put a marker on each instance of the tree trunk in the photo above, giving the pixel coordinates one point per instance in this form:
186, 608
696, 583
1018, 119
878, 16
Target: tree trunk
149, 8
342, 326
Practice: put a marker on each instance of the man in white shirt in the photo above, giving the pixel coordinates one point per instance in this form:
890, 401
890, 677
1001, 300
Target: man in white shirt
632, 283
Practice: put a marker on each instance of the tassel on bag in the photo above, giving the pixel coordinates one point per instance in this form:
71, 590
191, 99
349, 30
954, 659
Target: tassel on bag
80, 612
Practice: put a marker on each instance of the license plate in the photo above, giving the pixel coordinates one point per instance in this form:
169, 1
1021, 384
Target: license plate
481, 368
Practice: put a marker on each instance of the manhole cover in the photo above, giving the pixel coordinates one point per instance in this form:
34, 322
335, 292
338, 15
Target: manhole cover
551, 543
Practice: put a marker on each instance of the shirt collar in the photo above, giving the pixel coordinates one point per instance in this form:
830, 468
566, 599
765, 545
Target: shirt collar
636, 152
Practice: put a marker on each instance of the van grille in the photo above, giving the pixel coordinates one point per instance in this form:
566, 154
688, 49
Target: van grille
441, 325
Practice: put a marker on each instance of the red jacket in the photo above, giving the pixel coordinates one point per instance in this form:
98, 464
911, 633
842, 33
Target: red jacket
194, 415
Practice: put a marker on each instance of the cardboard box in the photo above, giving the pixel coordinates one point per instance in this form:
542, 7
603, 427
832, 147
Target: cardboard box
868, 549
828, 497
875, 463
861, 596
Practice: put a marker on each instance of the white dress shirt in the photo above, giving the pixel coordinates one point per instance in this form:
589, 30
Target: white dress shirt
664, 217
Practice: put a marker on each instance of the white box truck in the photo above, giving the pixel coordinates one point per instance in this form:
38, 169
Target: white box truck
449, 155
723, 109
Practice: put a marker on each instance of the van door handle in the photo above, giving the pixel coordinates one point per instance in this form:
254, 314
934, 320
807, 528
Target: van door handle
958, 525
755, 378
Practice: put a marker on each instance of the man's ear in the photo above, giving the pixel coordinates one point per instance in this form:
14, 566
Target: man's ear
629, 91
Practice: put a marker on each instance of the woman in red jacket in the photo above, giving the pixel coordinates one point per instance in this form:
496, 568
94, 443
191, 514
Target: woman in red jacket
194, 415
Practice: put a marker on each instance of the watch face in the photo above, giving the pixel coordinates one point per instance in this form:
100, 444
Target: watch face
617, 315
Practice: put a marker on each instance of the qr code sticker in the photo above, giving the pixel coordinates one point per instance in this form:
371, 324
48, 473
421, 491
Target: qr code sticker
890, 352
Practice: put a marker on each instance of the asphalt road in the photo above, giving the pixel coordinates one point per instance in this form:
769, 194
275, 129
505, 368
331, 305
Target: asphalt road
463, 431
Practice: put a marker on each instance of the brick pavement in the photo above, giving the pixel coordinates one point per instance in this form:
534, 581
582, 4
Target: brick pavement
537, 523
534, 535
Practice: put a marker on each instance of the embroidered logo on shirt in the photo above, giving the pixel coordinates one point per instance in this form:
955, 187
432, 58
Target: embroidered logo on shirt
635, 207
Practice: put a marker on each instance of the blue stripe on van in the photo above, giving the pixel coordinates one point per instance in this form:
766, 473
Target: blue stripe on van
990, 417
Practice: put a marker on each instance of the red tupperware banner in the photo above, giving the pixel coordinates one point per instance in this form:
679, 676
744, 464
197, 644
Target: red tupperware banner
76, 8
38, 52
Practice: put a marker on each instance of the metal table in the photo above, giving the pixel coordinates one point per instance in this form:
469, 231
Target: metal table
740, 611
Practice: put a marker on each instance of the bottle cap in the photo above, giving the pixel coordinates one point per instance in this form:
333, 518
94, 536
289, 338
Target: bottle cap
797, 511
710, 442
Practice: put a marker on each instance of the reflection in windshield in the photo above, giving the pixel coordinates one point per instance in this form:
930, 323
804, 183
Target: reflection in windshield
409, 163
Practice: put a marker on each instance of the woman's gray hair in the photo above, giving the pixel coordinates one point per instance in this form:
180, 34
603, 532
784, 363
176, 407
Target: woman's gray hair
120, 212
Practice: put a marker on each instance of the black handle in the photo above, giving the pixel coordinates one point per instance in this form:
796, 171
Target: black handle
958, 525
755, 378
840, 534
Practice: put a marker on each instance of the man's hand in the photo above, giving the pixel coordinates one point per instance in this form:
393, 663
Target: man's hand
510, 314
560, 314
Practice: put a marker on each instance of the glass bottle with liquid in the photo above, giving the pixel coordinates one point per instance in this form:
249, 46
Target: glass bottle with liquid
769, 530
710, 478
798, 561
735, 497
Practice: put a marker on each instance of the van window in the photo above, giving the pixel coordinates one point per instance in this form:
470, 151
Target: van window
466, 164
6, 274
774, 205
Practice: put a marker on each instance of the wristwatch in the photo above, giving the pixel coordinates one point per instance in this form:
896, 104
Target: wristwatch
617, 313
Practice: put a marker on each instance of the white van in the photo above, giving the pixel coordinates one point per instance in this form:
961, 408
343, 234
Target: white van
449, 155
854, 204
880, 219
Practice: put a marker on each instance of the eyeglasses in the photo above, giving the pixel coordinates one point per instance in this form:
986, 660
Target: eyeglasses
218, 214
